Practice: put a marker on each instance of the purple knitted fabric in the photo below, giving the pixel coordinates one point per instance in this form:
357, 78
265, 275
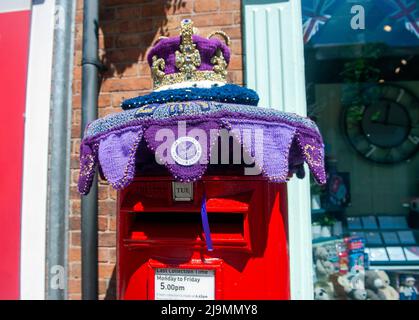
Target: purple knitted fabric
184, 173
117, 156
272, 145
88, 162
207, 48
284, 147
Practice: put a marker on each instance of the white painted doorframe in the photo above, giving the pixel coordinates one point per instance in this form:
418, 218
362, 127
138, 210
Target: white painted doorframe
274, 67
35, 163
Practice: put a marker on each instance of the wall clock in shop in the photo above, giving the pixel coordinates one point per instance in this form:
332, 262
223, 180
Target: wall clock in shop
384, 127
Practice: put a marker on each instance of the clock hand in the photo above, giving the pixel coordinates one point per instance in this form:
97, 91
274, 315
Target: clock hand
392, 124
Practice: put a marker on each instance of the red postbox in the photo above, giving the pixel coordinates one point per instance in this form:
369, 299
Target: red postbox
162, 252
224, 235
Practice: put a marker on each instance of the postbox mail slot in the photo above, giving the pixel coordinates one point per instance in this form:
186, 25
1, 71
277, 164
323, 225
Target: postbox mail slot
168, 228
213, 205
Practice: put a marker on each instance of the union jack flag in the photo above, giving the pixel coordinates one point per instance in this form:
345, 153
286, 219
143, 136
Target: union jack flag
406, 11
314, 16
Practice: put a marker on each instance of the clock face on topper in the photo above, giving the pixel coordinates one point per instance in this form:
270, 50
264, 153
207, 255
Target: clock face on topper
384, 127
186, 151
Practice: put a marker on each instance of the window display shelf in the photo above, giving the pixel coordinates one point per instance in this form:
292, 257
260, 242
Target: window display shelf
318, 211
325, 239
395, 266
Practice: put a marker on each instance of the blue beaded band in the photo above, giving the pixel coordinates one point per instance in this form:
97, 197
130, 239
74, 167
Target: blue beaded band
229, 93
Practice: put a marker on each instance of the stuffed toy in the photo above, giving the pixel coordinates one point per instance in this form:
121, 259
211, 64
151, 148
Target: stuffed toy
341, 286
357, 285
324, 268
357, 279
323, 290
357, 269
344, 290
387, 292
373, 283
408, 290
358, 294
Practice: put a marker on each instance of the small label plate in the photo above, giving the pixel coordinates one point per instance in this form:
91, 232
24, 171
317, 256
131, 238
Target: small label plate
182, 191
184, 284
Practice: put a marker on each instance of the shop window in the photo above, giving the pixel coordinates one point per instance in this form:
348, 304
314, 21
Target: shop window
362, 88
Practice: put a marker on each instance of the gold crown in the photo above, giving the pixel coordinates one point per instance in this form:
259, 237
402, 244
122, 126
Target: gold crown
188, 60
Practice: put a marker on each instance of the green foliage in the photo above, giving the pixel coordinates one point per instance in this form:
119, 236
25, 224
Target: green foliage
327, 220
355, 74
362, 69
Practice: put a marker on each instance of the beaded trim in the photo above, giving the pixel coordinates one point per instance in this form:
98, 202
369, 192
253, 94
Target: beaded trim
309, 142
88, 162
229, 93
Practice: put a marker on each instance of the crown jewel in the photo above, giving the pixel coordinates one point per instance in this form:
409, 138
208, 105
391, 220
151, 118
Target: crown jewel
189, 58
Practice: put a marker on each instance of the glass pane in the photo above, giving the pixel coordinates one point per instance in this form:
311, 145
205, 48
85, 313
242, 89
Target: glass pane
362, 84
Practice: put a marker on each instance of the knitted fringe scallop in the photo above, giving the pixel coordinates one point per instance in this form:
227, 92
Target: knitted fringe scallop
277, 148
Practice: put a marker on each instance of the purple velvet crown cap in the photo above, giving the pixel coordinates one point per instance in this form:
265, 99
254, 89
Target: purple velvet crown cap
166, 49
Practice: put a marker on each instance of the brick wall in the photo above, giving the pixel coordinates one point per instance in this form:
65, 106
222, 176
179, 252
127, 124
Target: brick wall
127, 29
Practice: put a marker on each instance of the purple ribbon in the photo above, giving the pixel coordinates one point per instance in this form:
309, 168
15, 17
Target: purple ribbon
205, 224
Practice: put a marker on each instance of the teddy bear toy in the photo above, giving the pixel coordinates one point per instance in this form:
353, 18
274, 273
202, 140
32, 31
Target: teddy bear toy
323, 291
357, 286
321, 294
387, 292
324, 268
344, 289
357, 294
408, 290
378, 286
372, 283
341, 286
